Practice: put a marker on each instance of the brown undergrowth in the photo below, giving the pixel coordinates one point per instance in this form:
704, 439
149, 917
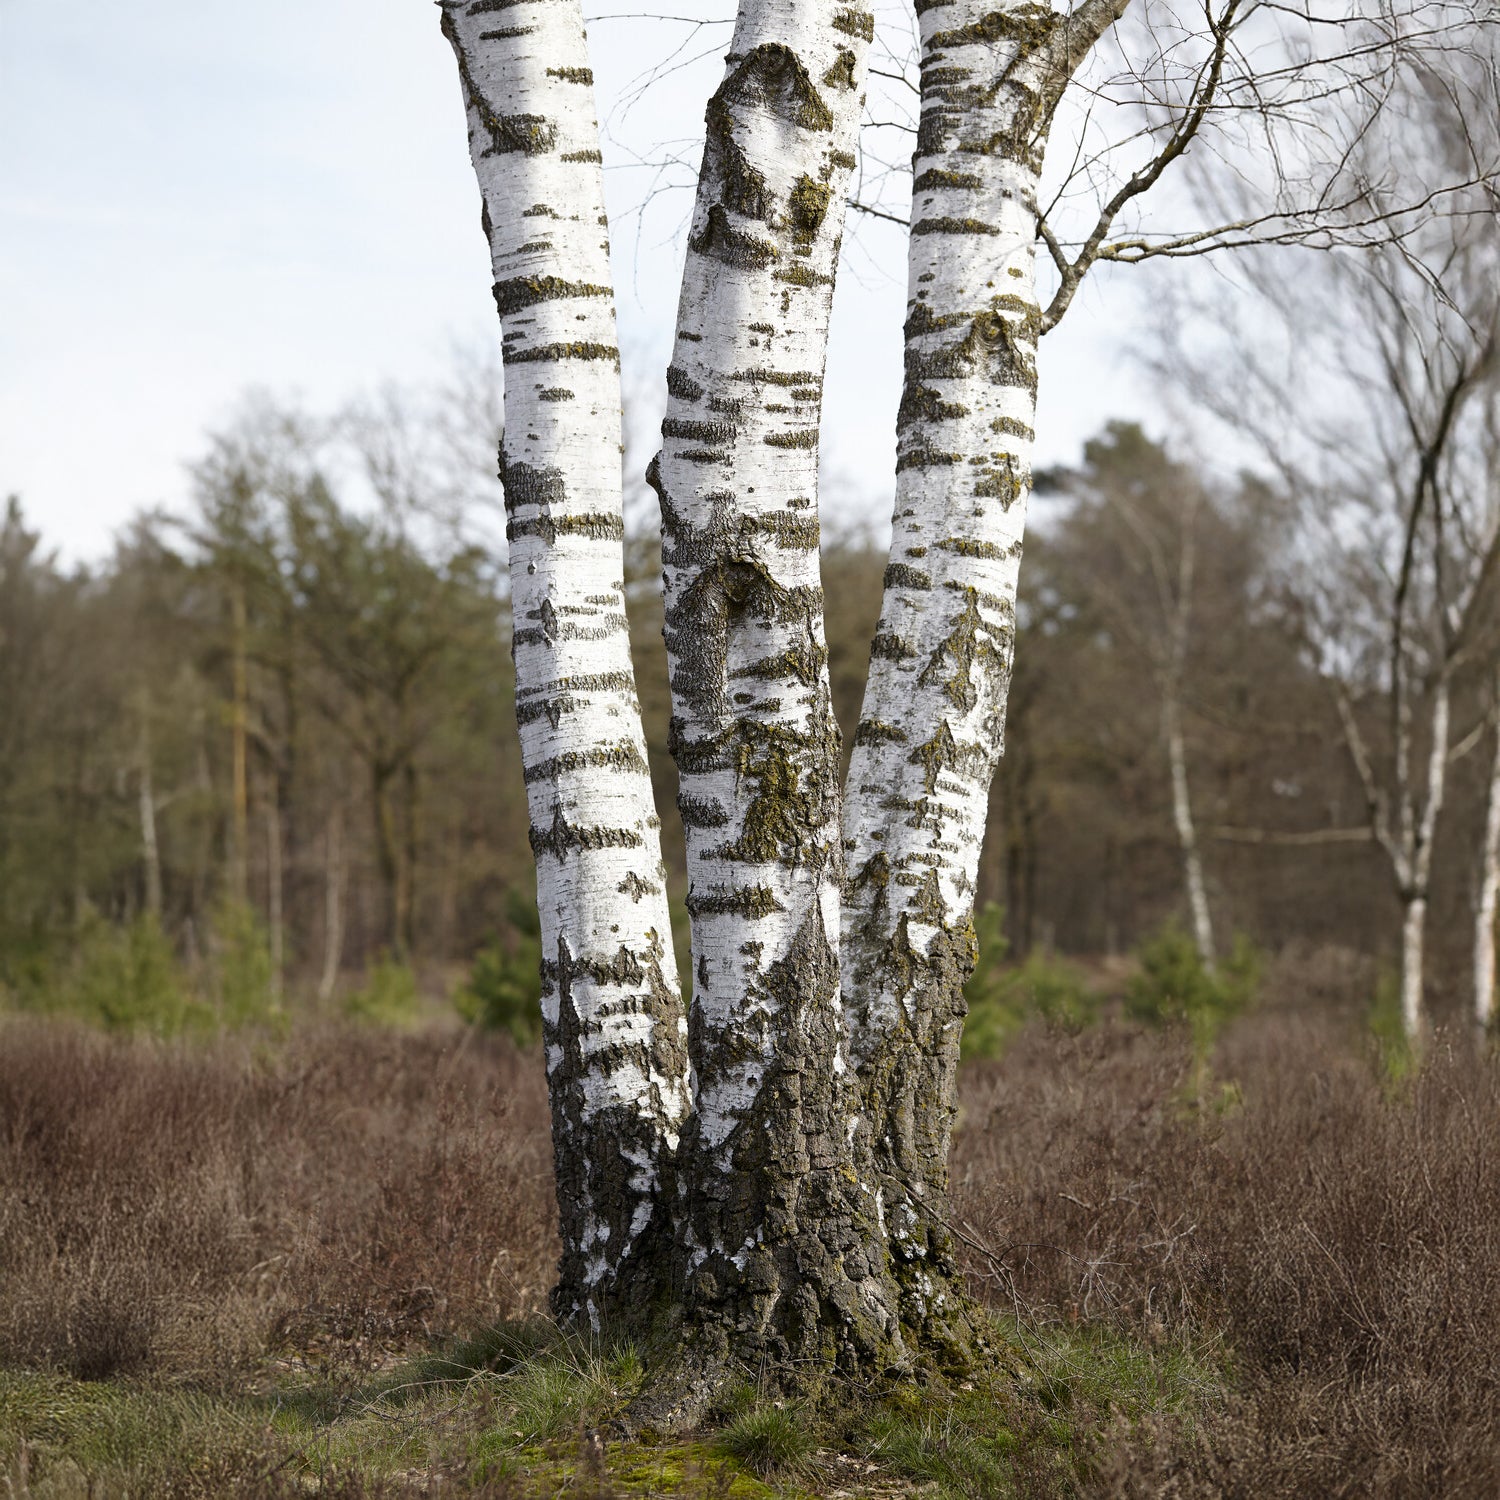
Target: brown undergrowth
191, 1208
1280, 1277
1337, 1239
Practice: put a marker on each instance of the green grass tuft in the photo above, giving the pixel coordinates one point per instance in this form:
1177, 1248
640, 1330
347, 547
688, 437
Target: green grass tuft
768, 1440
388, 996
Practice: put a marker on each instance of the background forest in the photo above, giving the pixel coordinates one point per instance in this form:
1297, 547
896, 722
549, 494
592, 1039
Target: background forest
275, 1221
268, 755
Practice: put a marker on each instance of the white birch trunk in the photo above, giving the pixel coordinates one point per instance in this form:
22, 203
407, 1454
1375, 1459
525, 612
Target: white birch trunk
239, 856
932, 724
613, 1024
1187, 832
1489, 900
275, 923
782, 1247
1413, 859
333, 905
1413, 938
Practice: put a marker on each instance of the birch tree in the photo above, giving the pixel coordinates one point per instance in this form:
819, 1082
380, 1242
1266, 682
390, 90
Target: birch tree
1487, 903
1144, 543
753, 731
1395, 615
1377, 428
791, 1162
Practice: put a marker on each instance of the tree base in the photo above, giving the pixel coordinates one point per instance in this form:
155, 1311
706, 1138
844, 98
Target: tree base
945, 1341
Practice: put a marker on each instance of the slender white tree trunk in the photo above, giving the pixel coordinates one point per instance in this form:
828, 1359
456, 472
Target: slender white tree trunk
783, 1247
276, 926
1420, 828
1413, 937
932, 724
1187, 832
614, 1030
239, 851
333, 904
1489, 899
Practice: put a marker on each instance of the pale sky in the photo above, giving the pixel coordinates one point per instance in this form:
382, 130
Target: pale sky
198, 198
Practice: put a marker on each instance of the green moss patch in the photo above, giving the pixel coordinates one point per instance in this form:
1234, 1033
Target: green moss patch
525, 1412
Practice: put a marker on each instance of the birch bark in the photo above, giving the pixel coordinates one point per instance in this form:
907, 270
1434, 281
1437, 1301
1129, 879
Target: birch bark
333, 904
239, 854
783, 1249
1419, 841
1409, 845
613, 1025
275, 887
1489, 896
931, 728
1187, 834
1413, 942
1178, 607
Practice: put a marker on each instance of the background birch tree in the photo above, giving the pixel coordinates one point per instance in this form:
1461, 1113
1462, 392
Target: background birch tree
1153, 556
794, 1154
1381, 434
1487, 899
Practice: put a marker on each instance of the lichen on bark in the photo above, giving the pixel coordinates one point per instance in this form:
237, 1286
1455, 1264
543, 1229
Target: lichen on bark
933, 716
783, 1247
614, 1031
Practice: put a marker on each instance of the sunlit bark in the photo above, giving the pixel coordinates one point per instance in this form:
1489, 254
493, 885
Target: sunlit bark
784, 1252
932, 725
613, 1023
146, 802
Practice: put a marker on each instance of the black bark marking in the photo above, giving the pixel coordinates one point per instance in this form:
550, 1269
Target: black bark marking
900, 575
563, 838
754, 902
721, 241
547, 352
773, 78
598, 527
518, 292
855, 23
682, 385
623, 757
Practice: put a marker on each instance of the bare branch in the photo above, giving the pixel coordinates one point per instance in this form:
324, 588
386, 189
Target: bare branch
1076, 35
1374, 796
1139, 182
1232, 835
1321, 230
870, 211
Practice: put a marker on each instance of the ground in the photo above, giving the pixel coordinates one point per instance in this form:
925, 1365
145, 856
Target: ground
524, 1413
1254, 1257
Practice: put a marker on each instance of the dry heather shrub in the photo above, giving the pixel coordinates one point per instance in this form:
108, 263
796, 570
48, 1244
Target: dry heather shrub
1343, 1244
178, 1205
1335, 1245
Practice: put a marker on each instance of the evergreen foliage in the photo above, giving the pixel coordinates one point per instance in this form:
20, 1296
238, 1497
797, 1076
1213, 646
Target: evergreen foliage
503, 991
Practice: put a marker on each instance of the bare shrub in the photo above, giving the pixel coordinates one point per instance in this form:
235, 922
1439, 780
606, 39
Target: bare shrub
1339, 1246
1325, 1244
184, 1205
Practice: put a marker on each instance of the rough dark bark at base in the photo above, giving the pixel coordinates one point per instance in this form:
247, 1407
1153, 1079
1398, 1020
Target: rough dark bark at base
712, 1361
909, 1078
785, 1268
